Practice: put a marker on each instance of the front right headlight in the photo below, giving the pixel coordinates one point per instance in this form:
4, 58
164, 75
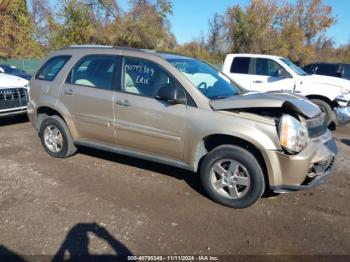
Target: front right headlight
292, 134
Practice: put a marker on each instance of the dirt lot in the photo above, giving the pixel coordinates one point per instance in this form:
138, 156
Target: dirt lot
98, 203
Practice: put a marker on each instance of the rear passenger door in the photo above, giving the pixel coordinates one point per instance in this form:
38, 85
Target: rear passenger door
88, 95
145, 123
239, 71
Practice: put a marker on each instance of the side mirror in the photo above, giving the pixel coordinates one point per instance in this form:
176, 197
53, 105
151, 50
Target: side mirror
282, 73
172, 94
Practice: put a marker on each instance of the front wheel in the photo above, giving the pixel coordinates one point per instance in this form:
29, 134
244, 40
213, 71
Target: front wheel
232, 176
56, 138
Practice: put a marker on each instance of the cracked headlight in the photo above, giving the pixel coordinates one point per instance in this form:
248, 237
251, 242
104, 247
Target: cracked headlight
292, 134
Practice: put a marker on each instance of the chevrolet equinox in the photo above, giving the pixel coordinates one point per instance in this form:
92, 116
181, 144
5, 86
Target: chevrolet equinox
180, 111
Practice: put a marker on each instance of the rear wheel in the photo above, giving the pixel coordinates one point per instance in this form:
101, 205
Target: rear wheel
232, 176
55, 137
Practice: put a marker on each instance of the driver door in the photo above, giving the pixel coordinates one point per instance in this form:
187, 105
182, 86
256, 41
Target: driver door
143, 122
270, 76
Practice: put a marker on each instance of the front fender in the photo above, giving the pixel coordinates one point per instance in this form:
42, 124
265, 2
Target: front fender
325, 90
261, 135
57, 106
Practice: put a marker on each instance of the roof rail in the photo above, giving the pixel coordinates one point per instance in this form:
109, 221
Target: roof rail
143, 50
87, 46
110, 47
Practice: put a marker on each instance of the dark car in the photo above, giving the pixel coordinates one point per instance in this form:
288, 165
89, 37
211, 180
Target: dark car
329, 69
11, 70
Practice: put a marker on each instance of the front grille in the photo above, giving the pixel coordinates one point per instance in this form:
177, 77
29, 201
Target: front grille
317, 126
12, 98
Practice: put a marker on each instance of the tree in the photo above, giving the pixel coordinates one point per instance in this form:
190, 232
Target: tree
216, 41
76, 27
40, 15
314, 18
146, 25
105, 16
16, 30
195, 49
291, 30
252, 29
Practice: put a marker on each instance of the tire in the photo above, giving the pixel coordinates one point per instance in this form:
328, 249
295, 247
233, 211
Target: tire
59, 134
326, 108
244, 183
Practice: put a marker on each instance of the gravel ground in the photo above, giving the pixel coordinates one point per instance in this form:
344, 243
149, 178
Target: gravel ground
102, 203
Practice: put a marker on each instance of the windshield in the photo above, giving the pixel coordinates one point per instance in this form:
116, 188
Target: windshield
207, 79
11, 70
294, 67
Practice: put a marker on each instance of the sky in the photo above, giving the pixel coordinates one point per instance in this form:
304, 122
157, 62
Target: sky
190, 17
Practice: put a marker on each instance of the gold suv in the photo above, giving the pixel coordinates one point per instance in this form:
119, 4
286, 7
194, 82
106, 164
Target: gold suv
180, 111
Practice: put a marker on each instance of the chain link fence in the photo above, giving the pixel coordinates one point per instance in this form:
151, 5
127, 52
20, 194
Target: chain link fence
28, 65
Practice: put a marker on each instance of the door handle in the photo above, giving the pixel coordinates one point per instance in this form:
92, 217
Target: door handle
123, 102
68, 92
257, 82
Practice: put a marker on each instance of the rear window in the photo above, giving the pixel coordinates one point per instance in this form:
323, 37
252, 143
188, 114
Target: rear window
51, 68
328, 70
240, 65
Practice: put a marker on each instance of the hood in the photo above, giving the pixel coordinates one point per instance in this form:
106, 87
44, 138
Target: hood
10, 81
268, 100
23, 75
328, 80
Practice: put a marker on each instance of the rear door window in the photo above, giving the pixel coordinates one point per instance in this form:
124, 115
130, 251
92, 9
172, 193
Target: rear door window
51, 68
328, 70
94, 71
240, 65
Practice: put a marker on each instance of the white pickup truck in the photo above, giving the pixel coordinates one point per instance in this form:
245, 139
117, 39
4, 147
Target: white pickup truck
265, 73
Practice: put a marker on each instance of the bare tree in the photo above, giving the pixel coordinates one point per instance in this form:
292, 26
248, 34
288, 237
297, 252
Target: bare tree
40, 13
216, 43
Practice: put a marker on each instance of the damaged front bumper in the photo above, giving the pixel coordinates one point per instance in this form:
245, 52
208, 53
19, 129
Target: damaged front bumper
308, 169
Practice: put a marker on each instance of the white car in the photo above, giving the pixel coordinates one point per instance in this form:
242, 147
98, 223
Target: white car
13, 95
266, 73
